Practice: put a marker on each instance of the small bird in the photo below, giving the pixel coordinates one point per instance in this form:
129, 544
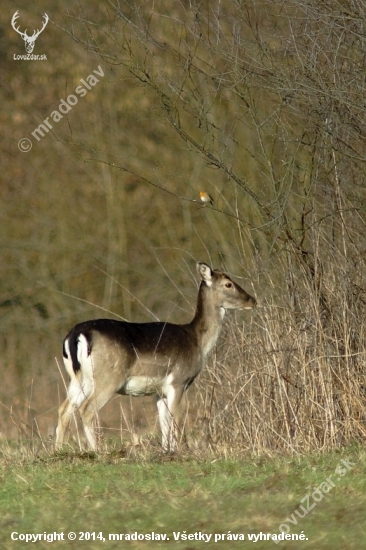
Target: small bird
206, 198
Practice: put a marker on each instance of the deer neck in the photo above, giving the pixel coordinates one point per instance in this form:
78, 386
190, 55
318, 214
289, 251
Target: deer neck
208, 320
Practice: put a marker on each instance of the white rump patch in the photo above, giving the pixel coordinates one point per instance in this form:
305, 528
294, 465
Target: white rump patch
82, 382
82, 349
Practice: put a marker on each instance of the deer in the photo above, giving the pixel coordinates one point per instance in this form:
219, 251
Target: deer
105, 356
28, 40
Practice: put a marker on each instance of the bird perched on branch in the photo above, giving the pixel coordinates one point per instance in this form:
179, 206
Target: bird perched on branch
206, 198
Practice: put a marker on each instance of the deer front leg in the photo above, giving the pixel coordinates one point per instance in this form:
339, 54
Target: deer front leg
168, 406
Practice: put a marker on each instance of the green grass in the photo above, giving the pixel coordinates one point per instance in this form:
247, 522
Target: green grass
112, 494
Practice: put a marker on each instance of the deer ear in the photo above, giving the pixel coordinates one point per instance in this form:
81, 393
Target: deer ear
205, 271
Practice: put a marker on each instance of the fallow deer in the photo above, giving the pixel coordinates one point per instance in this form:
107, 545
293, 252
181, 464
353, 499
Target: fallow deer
103, 357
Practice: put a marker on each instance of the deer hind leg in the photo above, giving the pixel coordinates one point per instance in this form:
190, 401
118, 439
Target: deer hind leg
168, 406
77, 394
89, 410
64, 416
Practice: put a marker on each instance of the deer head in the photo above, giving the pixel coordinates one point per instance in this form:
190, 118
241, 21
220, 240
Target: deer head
29, 40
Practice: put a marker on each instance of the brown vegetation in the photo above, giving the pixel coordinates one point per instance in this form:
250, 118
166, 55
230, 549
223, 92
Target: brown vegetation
259, 104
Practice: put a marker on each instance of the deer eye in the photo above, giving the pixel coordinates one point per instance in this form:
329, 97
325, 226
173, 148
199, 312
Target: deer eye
228, 285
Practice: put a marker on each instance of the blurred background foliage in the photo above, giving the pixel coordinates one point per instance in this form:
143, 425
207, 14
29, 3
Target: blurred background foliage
261, 104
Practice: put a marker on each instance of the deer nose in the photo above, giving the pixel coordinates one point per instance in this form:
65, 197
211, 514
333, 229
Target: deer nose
250, 303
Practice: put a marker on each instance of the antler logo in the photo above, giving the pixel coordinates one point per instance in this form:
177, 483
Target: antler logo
28, 40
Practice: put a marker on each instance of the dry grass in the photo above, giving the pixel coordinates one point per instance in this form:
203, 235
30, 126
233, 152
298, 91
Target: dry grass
281, 151
291, 381
277, 382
